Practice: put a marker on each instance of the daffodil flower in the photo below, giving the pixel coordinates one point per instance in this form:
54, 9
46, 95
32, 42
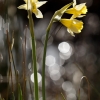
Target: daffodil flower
33, 6
73, 25
58, 14
77, 10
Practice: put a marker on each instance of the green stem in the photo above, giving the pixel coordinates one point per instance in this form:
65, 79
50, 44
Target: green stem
43, 66
60, 13
34, 60
44, 58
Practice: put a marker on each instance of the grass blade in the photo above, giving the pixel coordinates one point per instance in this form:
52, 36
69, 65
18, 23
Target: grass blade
19, 93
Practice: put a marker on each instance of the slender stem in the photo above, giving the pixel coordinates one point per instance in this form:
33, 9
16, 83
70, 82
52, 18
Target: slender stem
10, 60
13, 62
44, 58
88, 86
34, 59
17, 81
44, 54
23, 62
24, 68
43, 66
12, 54
63, 96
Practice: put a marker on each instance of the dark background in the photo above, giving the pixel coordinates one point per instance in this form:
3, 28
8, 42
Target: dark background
89, 38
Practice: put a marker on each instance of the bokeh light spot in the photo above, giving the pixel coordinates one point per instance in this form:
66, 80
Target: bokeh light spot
64, 47
39, 77
50, 60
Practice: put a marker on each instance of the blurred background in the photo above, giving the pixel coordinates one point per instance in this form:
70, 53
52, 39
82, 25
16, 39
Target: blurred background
68, 58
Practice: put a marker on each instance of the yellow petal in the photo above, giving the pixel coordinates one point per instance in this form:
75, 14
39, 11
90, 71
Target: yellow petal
74, 4
71, 11
34, 0
37, 13
80, 6
76, 26
81, 16
40, 3
24, 6
77, 10
78, 16
71, 32
76, 21
33, 5
31, 1
73, 25
84, 10
66, 22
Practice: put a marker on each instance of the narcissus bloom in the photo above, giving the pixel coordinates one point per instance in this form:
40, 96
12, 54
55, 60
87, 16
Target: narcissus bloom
33, 6
73, 25
77, 10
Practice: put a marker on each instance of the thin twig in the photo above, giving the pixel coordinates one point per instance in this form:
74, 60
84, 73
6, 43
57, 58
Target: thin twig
24, 65
12, 54
88, 80
10, 60
63, 97
23, 72
56, 32
88, 86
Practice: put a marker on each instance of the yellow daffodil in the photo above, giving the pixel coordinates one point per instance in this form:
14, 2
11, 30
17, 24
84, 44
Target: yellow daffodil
73, 25
77, 10
33, 6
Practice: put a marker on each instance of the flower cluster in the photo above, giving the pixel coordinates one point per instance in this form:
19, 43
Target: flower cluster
73, 25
